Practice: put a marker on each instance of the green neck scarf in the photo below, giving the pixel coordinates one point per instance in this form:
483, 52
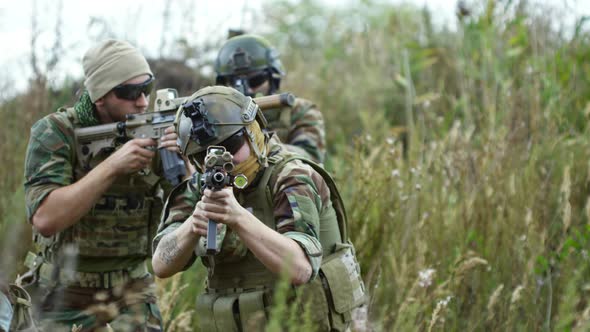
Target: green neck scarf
85, 110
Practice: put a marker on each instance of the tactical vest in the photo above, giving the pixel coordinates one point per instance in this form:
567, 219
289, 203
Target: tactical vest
121, 224
246, 284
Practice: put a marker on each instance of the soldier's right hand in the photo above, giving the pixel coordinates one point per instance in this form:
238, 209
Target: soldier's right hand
199, 222
132, 157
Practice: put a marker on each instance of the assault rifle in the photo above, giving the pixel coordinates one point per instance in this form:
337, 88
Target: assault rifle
284, 99
218, 165
94, 140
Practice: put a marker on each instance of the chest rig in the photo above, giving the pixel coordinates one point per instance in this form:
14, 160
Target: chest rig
238, 268
120, 224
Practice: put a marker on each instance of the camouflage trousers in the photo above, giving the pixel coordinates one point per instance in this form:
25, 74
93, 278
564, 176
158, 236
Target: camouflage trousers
130, 307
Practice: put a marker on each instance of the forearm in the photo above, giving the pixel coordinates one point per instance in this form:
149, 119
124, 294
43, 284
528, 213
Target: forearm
174, 251
65, 206
276, 251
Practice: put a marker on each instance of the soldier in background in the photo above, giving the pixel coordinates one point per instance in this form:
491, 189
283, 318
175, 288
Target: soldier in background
251, 65
93, 220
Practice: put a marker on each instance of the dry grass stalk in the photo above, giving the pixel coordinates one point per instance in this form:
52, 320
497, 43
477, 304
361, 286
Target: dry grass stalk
493, 302
438, 313
435, 316
470, 264
516, 295
170, 291
182, 322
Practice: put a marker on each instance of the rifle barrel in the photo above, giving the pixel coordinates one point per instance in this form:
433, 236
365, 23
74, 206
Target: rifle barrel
275, 101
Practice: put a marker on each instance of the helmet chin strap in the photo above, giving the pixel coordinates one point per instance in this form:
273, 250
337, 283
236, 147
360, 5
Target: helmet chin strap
260, 153
257, 159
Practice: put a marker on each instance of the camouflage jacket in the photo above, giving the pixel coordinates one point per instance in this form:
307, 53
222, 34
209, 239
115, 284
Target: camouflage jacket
121, 213
300, 198
301, 128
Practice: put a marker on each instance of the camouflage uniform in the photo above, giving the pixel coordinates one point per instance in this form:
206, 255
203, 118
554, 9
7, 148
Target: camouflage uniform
293, 198
300, 127
111, 242
294, 182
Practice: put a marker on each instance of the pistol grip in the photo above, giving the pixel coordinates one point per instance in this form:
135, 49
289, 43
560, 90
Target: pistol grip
173, 166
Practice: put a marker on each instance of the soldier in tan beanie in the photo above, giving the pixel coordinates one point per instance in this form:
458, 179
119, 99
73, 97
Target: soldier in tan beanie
93, 225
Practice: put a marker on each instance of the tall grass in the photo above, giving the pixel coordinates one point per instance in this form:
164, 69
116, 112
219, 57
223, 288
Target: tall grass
482, 223
477, 217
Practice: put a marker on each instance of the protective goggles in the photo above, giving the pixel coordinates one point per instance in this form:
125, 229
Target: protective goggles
231, 144
134, 91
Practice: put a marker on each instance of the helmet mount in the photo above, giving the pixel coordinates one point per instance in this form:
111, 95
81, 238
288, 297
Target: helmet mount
202, 131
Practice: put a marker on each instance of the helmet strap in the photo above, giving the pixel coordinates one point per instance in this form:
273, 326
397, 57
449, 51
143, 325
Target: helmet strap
258, 147
257, 160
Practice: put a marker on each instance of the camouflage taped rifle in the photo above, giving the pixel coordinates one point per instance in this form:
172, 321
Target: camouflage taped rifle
218, 165
91, 141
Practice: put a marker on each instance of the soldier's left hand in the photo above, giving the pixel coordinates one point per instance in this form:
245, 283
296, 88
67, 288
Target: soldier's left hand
222, 206
168, 141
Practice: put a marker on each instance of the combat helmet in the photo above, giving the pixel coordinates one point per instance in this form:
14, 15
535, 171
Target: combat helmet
245, 56
216, 115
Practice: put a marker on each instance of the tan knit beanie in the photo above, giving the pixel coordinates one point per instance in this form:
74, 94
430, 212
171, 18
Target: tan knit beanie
110, 63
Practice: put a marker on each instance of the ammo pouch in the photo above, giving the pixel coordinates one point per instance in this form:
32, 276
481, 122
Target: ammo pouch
340, 282
242, 310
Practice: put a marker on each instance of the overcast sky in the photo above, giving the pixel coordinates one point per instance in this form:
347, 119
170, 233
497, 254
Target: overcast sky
133, 20
141, 22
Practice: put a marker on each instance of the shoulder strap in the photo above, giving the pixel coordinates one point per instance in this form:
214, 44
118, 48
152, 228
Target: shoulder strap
335, 196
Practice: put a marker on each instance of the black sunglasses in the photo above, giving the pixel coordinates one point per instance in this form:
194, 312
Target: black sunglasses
257, 80
253, 81
134, 91
231, 144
